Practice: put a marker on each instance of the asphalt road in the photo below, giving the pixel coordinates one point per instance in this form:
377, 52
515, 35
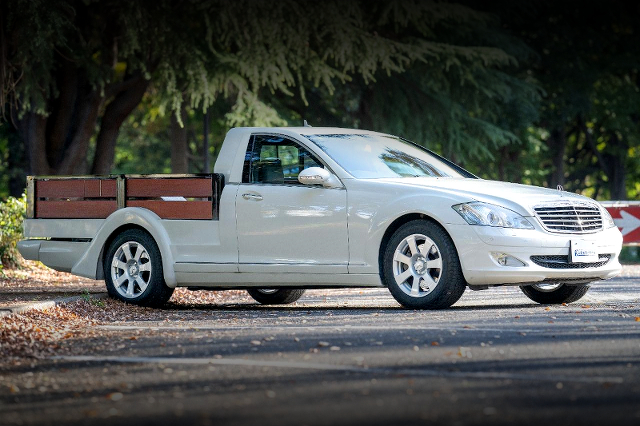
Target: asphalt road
345, 357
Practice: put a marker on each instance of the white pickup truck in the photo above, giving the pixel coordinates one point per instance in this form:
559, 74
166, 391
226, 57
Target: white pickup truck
294, 208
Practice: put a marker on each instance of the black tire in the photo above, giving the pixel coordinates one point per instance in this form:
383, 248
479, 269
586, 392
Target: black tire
143, 266
564, 293
280, 296
443, 286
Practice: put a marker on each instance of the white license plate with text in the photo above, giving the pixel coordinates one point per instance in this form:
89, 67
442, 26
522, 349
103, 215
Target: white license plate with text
583, 252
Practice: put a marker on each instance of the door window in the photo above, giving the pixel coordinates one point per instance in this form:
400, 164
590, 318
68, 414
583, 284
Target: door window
276, 160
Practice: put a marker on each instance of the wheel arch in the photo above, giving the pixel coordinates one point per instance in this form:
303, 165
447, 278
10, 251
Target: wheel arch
109, 240
395, 225
92, 263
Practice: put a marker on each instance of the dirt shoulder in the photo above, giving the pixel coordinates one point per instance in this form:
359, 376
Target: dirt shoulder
35, 282
40, 333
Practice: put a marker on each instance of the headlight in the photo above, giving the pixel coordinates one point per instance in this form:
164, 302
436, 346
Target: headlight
484, 214
607, 220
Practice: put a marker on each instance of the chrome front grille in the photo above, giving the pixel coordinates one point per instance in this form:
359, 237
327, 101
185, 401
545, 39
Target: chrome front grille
570, 217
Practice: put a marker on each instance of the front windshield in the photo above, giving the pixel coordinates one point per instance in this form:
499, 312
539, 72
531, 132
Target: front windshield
384, 156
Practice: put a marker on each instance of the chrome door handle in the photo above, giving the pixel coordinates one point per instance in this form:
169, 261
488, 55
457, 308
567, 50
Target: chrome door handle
254, 197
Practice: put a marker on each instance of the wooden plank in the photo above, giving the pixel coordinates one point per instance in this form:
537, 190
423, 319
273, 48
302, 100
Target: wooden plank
176, 209
60, 188
100, 188
95, 209
171, 187
120, 192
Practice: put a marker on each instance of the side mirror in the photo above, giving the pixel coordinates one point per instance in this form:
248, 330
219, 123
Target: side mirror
319, 176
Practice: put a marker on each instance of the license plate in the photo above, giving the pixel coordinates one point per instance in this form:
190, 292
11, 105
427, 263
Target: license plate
583, 252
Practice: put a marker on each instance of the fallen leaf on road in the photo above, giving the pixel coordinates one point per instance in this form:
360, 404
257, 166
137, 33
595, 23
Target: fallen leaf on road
116, 396
464, 352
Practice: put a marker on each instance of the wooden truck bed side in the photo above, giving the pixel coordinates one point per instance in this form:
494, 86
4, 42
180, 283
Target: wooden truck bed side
194, 197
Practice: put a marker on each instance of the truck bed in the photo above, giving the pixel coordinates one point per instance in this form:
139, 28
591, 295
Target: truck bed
193, 196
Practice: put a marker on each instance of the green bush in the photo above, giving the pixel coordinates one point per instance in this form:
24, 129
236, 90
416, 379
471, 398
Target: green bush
12, 213
630, 255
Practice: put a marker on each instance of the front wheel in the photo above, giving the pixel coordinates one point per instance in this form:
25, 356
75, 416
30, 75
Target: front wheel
275, 296
554, 294
133, 270
421, 267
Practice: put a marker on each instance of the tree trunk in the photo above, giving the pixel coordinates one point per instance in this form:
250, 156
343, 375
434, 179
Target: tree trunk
613, 165
365, 120
115, 114
86, 116
502, 175
617, 168
16, 164
557, 143
179, 153
60, 121
32, 130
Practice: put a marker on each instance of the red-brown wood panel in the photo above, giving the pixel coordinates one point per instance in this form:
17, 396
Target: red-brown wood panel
72, 188
100, 188
176, 209
170, 187
95, 209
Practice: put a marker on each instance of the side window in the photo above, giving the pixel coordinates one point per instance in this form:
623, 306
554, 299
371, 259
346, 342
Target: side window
274, 159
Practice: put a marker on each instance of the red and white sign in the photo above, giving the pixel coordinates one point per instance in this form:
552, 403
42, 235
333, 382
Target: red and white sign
626, 215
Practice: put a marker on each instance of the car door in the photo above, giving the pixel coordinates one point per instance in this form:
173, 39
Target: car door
283, 225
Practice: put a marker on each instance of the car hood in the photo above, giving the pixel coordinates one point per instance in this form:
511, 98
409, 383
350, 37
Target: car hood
517, 197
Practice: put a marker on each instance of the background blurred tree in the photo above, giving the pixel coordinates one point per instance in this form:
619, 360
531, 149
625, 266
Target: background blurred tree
541, 93
587, 63
75, 70
466, 106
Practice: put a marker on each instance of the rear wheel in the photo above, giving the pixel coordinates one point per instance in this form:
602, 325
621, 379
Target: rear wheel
421, 267
553, 294
275, 296
133, 270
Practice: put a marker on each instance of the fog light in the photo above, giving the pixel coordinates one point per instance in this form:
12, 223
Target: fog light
505, 259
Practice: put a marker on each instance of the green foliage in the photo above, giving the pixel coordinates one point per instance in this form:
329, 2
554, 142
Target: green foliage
630, 255
143, 143
462, 95
12, 213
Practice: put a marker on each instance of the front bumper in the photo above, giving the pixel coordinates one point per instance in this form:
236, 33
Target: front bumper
476, 243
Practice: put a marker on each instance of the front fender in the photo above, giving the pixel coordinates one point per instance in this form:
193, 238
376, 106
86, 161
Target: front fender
89, 264
435, 206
